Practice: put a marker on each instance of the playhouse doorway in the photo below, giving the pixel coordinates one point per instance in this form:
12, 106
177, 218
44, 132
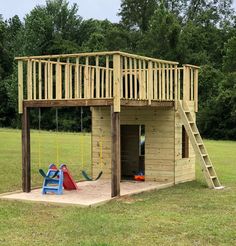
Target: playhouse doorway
132, 151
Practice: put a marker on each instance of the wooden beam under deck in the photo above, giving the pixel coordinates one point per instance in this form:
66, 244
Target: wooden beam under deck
95, 102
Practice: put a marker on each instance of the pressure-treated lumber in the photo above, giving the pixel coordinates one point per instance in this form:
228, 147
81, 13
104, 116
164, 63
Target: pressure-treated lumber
115, 161
20, 87
26, 174
199, 147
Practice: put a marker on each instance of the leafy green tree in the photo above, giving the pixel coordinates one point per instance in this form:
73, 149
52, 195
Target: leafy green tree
137, 14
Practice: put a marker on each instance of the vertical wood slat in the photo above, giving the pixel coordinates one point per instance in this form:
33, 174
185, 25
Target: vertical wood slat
80, 82
26, 169
40, 80
126, 77
130, 78
167, 82
58, 80
97, 78
20, 87
178, 83
67, 78
155, 81
117, 80
163, 91
176, 95
144, 80
150, 82
49, 80
29, 80
70, 81
102, 83
196, 90
46, 81
77, 77
107, 77
192, 83
140, 79
171, 82
135, 79
34, 80
92, 82
110, 83
159, 82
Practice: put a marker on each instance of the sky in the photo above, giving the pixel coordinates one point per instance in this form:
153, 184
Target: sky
96, 9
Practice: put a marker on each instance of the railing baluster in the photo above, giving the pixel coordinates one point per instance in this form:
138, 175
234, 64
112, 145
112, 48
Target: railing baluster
107, 76
34, 80
171, 82
191, 88
150, 82
155, 81
77, 78
97, 78
29, 80
159, 82
46, 81
92, 83
40, 80
140, 79
131, 77
58, 79
126, 78
167, 82
163, 93
135, 79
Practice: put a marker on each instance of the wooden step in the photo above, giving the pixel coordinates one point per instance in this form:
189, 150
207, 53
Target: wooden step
209, 166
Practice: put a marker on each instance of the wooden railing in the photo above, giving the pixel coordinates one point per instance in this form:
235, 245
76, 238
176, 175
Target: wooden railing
105, 75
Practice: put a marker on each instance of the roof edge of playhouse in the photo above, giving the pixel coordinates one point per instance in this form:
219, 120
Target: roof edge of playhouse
96, 54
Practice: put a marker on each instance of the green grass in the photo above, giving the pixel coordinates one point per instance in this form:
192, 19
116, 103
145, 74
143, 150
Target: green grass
187, 214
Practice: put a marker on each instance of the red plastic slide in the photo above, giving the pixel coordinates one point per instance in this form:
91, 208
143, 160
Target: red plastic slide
69, 182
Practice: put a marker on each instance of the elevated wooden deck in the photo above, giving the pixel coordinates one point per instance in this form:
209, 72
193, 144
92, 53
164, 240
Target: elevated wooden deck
103, 79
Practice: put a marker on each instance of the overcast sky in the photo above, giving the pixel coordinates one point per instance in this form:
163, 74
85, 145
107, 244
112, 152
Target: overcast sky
97, 9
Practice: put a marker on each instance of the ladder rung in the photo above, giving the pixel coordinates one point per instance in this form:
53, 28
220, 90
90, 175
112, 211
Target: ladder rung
213, 177
195, 133
208, 166
191, 122
204, 155
187, 112
200, 144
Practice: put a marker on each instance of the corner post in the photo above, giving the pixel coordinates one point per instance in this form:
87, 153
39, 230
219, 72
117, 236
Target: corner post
20, 87
26, 170
150, 82
117, 81
115, 160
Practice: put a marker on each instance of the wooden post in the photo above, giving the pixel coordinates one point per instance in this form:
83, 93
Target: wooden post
115, 160
196, 90
20, 87
116, 82
26, 176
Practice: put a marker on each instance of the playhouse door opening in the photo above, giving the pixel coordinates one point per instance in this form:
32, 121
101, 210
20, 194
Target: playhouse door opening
132, 151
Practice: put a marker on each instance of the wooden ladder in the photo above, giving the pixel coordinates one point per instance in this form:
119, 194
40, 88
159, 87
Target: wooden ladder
198, 146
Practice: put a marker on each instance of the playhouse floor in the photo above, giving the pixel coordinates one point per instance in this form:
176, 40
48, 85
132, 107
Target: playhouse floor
89, 193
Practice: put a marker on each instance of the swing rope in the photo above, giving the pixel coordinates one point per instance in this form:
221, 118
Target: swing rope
57, 140
39, 138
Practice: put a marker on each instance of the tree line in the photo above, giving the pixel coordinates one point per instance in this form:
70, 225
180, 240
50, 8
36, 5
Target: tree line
201, 32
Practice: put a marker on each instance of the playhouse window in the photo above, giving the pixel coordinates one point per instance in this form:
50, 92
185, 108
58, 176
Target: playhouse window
185, 143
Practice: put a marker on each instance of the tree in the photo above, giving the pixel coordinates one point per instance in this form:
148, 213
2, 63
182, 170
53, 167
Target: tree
137, 14
53, 28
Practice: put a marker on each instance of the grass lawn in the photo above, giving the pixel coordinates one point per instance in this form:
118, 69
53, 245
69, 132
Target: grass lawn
187, 214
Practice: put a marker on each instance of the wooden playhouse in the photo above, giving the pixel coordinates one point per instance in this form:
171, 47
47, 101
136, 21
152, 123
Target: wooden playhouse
143, 109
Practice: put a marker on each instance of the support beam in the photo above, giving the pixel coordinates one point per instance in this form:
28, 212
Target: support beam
26, 176
115, 162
